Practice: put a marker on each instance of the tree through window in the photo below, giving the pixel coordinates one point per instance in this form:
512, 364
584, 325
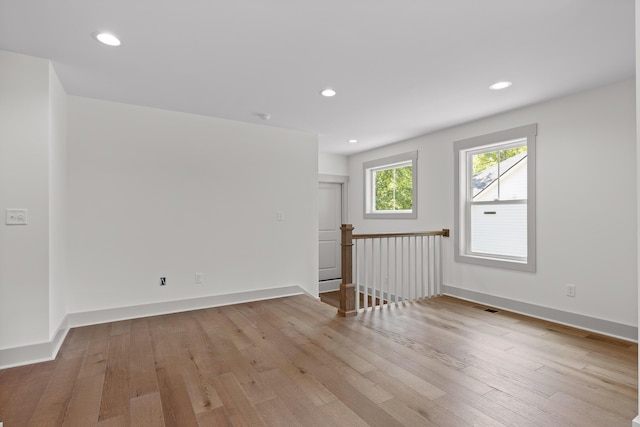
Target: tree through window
393, 188
390, 187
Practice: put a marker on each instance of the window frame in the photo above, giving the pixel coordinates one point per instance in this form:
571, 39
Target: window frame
410, 158
463, 171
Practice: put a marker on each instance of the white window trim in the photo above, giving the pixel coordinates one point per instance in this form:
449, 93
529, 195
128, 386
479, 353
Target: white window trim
368, 167
462, 218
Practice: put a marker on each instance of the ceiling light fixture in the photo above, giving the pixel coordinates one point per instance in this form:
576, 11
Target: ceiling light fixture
328, 93
500, 85
353, 141
108, 39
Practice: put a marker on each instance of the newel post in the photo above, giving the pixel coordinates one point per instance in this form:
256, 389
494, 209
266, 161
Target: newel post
347, 289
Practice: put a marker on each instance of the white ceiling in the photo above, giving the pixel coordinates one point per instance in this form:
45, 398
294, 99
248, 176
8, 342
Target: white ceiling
401, 68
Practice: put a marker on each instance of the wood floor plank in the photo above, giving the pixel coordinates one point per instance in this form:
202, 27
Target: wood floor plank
470, 414
119, 421
201, 390
53, 404
146, 410
95, 359
177, 408
415, 371
407, 416
596, 397
116, 393
529, 411
413, 401
237, 352
240, 399
216, 417
142, 370
275, 413
291, 361
84, 406
583, 413
339, 414
21, 389
305, 411
121, 327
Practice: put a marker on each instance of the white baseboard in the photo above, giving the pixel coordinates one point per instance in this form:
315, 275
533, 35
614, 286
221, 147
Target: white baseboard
133, 312
35, 353
634, 423
45, 351
593, 324
329, 285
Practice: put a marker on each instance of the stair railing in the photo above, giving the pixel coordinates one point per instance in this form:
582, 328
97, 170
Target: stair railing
389, 268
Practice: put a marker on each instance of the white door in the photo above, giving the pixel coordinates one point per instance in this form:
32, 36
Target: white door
330, 202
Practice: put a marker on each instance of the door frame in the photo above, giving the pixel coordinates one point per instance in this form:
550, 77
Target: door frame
334, 285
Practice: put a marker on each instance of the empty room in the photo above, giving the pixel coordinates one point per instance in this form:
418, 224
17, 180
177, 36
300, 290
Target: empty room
272, 213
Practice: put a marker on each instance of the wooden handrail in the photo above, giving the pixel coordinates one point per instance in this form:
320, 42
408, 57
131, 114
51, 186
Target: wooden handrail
444, 233
347, 288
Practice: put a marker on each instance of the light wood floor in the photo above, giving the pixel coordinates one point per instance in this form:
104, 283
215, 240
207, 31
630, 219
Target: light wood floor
292, 362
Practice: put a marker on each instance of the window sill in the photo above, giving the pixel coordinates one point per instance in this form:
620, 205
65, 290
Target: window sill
391, 215
527, 266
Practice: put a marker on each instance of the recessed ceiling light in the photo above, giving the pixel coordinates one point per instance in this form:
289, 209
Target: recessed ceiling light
500, 85
328, 93
108, 39
353, 141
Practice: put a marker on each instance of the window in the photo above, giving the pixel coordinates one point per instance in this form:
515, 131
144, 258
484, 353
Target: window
390, 187
495, 199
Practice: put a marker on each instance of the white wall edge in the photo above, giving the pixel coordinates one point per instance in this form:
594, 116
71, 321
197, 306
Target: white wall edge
587, 323
634, 423
47, 351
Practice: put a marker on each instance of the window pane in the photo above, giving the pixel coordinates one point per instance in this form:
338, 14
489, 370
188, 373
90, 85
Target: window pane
513, 174
384, 189
499, 229
394, 189
404, 188
485, 176
500, 175
390, 187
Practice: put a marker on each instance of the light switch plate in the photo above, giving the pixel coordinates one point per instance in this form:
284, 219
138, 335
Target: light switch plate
16, 217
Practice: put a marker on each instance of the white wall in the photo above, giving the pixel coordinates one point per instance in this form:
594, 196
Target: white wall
586, 194
637, 93
57, 202
157, 193
333, 164
24, 177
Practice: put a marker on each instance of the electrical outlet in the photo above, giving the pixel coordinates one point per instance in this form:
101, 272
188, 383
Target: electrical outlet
197, 278
571, 290
16, 217
280, 215
163, 281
